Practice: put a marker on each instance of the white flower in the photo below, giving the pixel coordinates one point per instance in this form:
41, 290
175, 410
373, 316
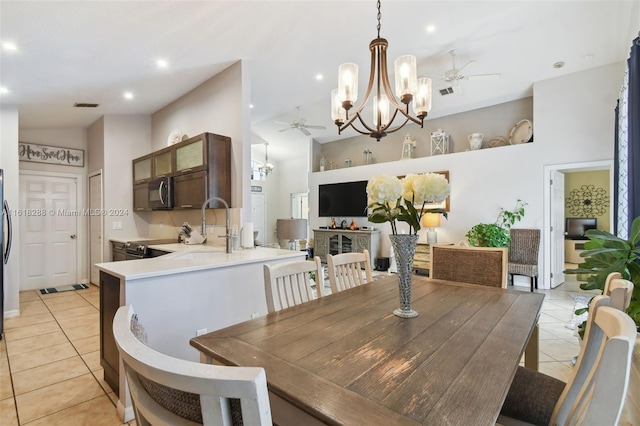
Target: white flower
430, 187
383, 189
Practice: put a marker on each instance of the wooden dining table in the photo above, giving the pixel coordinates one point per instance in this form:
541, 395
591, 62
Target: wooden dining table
346, 359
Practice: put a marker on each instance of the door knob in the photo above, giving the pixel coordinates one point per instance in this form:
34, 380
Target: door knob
73, 236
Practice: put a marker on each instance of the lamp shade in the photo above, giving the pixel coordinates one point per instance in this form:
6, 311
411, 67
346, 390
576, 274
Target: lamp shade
431, 220
291, 229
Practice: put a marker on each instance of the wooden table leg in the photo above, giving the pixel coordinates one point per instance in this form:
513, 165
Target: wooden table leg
532, 351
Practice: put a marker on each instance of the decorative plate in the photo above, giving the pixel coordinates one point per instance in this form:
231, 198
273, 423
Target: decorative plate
175, 136
521, 132
497, 141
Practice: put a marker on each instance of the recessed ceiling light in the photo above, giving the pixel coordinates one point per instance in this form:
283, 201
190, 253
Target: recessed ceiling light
9, 45
431, 28
319, 76
588, 57
128, 95
162, 63
250, 106
558, 64
3, 90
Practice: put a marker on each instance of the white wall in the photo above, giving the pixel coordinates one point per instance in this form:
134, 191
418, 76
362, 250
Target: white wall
573, 122
9, 163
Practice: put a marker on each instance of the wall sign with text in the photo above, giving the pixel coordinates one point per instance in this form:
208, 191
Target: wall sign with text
50, 154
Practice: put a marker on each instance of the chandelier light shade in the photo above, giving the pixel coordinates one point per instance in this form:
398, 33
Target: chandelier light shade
267, 167
386, 104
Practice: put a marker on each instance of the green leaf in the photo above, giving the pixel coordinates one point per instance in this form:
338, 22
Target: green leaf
634, 238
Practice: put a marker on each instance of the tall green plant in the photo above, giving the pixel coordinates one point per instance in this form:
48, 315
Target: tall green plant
496, 234
605, 253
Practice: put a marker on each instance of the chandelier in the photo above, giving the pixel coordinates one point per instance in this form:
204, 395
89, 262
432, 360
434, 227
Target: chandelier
267, 167
408, 87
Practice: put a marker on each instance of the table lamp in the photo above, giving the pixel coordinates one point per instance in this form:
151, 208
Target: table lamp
431, 220
291, 230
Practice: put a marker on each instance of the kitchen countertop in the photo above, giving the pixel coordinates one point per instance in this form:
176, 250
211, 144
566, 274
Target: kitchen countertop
188, 258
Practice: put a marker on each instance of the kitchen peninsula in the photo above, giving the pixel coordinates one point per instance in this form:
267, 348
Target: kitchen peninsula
193, 290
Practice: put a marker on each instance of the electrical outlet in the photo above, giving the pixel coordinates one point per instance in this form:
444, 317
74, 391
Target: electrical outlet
201, 332
117, 225
255, 315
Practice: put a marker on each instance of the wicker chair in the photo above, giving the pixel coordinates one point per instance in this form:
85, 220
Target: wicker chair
473, 265
174, 391
595, 393
523, 254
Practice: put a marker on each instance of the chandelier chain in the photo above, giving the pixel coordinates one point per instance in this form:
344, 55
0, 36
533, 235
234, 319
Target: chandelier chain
379, 17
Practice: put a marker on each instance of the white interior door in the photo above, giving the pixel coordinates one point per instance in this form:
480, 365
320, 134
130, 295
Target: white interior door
48, 231
95, 227
557, 228
259, 215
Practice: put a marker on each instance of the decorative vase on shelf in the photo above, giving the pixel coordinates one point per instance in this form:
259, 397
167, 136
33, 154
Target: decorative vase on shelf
404, 248
475, 141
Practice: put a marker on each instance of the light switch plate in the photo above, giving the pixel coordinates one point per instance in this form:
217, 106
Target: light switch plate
117, 225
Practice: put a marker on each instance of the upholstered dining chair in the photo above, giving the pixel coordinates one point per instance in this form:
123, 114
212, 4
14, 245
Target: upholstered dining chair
523, 254
288, 284
345, 270
473, 265
170, 391
596, 391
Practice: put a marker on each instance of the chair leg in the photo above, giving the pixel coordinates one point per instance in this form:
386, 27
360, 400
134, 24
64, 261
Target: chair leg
535, 280
531, 282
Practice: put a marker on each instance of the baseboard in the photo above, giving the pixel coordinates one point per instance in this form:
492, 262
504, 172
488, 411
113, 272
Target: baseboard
12, 314
125, 414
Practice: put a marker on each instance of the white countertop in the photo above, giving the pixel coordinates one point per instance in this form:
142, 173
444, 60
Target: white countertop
188, 258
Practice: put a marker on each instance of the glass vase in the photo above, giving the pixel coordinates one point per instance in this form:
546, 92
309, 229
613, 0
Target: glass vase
404, 248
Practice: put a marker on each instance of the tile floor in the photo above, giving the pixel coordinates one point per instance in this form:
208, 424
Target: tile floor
50, 370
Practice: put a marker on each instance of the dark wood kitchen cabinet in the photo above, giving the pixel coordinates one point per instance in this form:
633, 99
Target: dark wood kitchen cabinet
163, 162
141, 198
142, 170
109, 304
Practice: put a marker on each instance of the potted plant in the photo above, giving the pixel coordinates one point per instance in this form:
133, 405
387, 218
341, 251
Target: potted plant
496, 234
605, 253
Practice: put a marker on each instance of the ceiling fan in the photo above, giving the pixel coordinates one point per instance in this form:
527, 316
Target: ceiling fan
300, 124
454, 76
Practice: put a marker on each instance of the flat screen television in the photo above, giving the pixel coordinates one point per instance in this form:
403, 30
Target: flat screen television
346, 199
576, 227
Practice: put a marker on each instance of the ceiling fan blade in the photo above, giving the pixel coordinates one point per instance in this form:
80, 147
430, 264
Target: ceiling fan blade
305, 131
311, 126
288, 128
283, 123
484, 76
466, 65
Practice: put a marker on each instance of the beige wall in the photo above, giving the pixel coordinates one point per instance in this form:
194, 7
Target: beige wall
491, 121
578, 185
219, 105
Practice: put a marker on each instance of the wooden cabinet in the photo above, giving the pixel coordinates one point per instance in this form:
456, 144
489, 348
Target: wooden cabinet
337, 241
422, 258
190, 190
191, 154
572, 250
109, 304
163, 162
141, 198
142, 169
118, 251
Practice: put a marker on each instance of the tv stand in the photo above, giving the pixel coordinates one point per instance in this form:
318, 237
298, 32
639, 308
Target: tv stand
337, 241
572, 250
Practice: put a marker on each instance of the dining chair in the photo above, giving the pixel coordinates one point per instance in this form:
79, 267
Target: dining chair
169, 391
289, 284
523, 254
596, 391
345, 270
619, 290
473, 265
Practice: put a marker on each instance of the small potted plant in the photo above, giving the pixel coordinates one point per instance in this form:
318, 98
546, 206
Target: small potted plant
496, 234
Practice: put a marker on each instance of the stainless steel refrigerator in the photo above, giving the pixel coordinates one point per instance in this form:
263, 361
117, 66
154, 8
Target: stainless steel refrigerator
5, 246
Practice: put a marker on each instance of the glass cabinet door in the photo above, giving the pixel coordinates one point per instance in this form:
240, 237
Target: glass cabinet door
347, 244
163, 163
190, 156
142, 169
334, 245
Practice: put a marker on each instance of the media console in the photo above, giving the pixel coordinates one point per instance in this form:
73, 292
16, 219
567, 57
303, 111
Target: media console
337, 241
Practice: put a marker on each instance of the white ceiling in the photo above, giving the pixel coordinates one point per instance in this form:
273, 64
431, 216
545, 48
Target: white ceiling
93, 51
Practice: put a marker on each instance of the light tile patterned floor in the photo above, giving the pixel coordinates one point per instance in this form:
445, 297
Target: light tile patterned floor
50, 370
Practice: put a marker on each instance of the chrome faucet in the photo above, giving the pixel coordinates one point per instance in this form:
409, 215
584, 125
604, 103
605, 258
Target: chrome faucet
227, 225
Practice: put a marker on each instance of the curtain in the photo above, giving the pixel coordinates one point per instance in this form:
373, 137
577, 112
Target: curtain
633, 133
616, 168
622, 180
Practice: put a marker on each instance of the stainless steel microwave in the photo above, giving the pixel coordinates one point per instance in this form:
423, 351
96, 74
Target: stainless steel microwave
160, 194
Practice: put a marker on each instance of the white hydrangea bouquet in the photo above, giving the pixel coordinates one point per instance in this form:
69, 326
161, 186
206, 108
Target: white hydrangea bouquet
392, 199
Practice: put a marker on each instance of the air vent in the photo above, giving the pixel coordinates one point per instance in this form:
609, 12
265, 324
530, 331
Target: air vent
446, 91
85, 105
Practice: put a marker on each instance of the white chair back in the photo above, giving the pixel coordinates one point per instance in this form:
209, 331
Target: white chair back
345, 270
619, 290
596, 392
289, 284
162, 386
